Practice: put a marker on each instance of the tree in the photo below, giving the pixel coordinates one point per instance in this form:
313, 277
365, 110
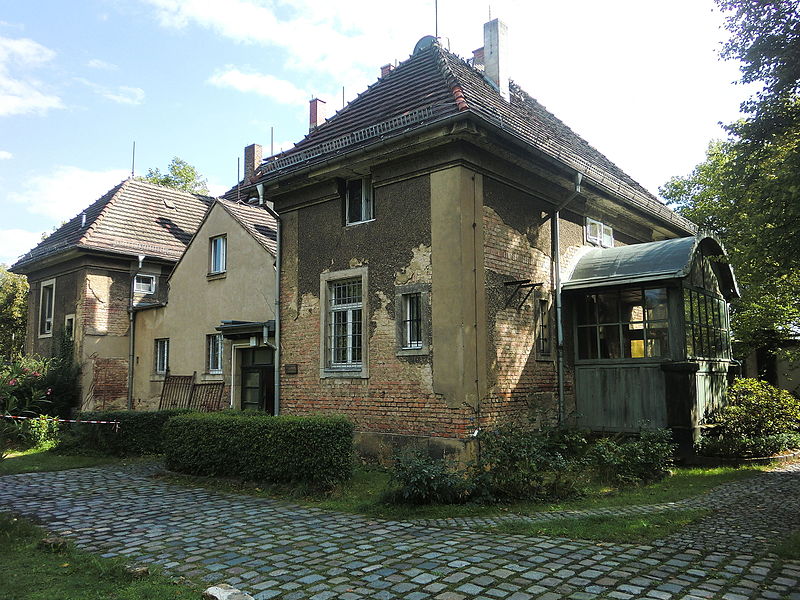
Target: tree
180, 175
13, 313
748, 189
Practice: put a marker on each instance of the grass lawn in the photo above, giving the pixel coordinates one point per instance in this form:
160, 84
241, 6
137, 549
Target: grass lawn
632, 529
28, 572
38, 460
789, 548
363, 494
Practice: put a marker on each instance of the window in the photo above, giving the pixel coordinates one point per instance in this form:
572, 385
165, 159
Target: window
598, 233
214, 352
359, 206
412, 320
706, 324
162, 356
543, 341
144, 284
69, 326
345, 323
343, 318
623, 324
47, 297
218, 255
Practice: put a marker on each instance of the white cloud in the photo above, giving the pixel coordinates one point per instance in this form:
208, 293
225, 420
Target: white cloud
6, 155
16, 242
267, 85
102, 65
122, 94
19, 92
65, 191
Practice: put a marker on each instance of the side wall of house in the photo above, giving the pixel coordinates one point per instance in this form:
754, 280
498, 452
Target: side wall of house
198, 302
416, 239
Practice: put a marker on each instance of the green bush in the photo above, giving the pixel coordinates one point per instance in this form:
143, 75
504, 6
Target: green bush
518, 462
317, 450
747, 447
636, 460
757, 409
40, 432
139, 432
418, 478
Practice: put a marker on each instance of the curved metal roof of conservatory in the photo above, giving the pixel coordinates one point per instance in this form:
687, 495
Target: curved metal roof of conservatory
651, 261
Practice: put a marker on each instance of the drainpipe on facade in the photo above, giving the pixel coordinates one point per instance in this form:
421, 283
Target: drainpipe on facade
131, 334
276, 360
555, 249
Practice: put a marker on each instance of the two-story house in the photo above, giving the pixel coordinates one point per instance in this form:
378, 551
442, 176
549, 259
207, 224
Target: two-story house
87, 276
454, 256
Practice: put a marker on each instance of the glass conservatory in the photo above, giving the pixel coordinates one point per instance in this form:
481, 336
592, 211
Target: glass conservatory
649, 325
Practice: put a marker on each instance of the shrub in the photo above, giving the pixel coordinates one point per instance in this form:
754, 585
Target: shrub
642, 459
747, 447
40, 432
519, 462
138, 433
317, 450
757, 409
418, 478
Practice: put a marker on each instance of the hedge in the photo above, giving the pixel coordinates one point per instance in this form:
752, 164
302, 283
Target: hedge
316, 449
139, 432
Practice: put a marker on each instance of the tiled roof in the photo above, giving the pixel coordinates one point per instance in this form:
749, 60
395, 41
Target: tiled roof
134, 217
256, 220
435, 84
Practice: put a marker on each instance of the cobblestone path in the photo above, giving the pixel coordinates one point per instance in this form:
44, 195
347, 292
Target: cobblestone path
273, 549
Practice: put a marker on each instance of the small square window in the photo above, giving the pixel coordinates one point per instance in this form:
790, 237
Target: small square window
598, 233
144, 284
161, 356
359, 204
218, 254
214, 352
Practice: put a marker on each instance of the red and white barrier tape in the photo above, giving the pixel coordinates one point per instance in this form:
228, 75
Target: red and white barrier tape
64, 420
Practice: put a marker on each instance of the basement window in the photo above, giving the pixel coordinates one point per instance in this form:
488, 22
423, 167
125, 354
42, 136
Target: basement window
359, 206
599, 234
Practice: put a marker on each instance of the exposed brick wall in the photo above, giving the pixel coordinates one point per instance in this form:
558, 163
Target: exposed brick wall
105, 303
110, 384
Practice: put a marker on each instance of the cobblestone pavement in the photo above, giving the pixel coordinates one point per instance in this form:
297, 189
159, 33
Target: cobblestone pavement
273, 549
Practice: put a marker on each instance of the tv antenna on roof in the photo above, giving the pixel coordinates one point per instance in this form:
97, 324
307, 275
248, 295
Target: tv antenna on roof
133, 158
436, 24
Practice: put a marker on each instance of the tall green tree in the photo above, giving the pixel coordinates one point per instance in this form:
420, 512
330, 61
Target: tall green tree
13, 313
748, 189
180, 175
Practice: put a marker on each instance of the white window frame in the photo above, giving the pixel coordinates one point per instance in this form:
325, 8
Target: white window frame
214, 349
349, 368
161, 352
46, 313
69, 331
366, 201
599, 233
142, 287
218, 254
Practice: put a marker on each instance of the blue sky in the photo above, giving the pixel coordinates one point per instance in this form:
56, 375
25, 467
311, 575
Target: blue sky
201, 79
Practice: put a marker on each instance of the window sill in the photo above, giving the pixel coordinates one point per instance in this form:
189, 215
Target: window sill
343, 373
45, 335
413, 351
158, 376
356, 223
220, 275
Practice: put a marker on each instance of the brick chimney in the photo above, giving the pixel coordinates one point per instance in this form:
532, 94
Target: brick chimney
252, 158
386, 69
477, 58
495, 45
316, 116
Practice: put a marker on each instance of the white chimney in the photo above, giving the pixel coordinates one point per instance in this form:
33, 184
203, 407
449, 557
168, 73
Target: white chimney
316, 115
495, 54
